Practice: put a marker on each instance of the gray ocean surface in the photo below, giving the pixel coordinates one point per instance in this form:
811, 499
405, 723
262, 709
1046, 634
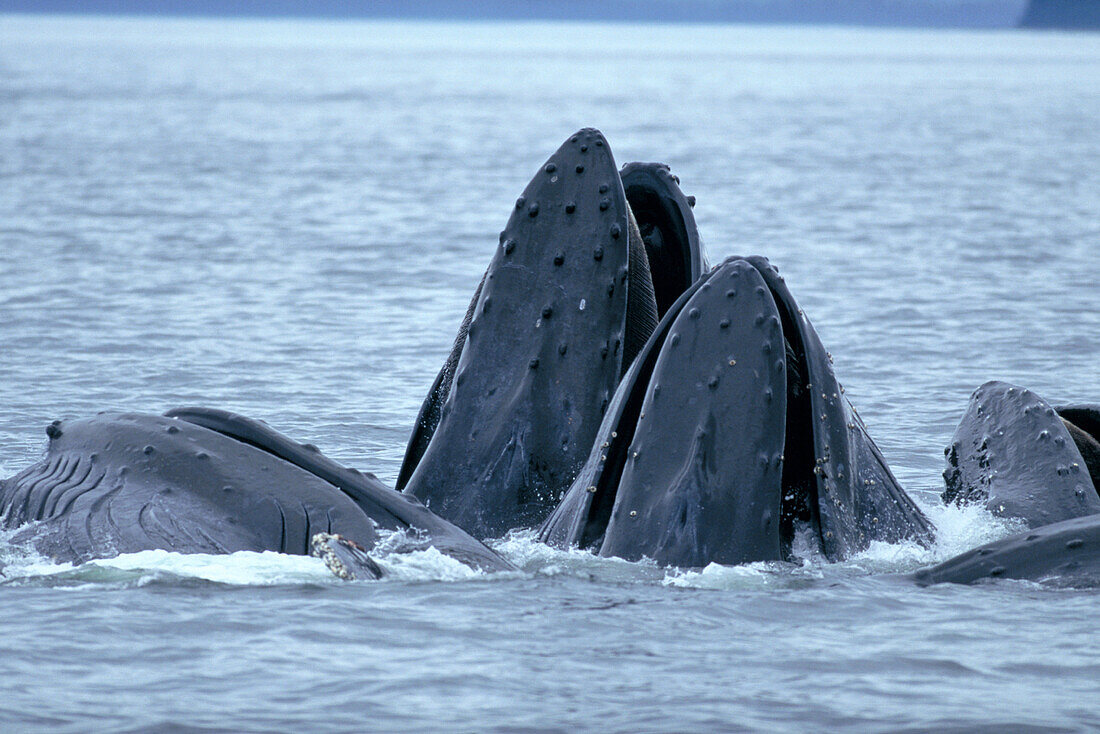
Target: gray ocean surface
287, 219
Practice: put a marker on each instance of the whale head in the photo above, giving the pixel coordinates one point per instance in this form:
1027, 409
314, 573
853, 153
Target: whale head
729, 433
1021, 457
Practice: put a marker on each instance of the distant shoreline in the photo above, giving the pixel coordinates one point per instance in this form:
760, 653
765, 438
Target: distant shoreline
874, 13
1062, 15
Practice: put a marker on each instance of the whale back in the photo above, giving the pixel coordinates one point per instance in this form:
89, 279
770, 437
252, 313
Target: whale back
1066, 552
551, 332
1012, 451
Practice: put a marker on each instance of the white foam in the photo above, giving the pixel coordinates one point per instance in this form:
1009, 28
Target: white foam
959, 529
523, 549
716, 576
405, 559
244, 568
426, 565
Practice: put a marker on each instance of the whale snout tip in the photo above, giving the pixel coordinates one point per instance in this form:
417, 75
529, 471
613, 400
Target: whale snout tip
586, 140
587, 132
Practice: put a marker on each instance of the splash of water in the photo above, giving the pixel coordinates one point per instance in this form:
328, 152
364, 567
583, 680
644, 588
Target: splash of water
407, 558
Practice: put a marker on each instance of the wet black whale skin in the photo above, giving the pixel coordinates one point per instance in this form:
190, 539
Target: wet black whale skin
1013, 451
688, 466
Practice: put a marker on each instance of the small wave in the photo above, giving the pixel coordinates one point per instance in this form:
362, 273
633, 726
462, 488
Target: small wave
243, 568
759, 575
427, 565
961, 528
958, 529
523, 549
21, 564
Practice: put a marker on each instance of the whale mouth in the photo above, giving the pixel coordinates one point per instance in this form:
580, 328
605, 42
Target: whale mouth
798, 489
667, 228
665, 246
1083, 424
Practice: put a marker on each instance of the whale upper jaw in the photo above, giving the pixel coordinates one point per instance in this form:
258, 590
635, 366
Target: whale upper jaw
728, 431
565, 303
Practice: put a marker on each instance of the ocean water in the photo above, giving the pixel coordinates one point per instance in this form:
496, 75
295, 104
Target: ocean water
287, 219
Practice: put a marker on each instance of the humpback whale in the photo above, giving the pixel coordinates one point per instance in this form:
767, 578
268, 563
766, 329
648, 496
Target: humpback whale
205, 481
1026, 459
728, 430
565, 305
